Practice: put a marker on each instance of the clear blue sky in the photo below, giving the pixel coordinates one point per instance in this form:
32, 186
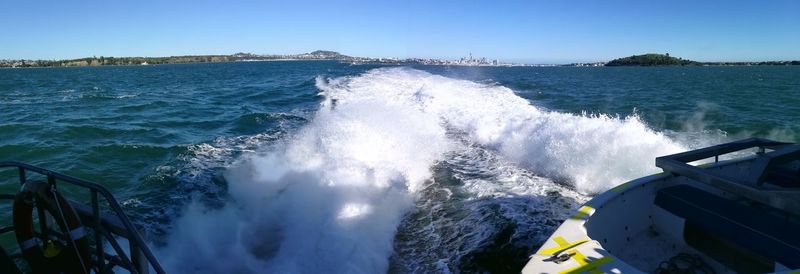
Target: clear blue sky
523, 31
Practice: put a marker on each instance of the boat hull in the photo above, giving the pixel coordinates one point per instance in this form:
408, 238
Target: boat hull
624, 230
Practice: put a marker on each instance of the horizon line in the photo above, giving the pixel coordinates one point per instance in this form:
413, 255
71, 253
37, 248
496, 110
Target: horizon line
395, 58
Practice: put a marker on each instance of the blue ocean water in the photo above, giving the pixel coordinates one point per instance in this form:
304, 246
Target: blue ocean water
253, 167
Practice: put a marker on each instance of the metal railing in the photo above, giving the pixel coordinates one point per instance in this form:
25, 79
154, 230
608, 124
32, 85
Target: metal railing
750, 185
105, 225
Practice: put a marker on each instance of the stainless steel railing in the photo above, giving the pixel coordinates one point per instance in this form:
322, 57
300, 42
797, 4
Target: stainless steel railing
106, 224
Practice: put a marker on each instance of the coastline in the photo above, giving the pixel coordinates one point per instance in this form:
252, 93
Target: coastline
646, 60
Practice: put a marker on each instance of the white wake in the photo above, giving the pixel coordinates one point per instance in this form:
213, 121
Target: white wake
329, 198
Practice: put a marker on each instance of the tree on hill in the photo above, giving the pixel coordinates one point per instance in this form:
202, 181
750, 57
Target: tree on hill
651, 59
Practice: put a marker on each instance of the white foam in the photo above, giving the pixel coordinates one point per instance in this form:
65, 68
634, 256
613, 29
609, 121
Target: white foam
594, 152
330, 197
328, 200
493, 194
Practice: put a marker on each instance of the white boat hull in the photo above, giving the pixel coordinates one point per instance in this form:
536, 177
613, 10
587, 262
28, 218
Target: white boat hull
624, 230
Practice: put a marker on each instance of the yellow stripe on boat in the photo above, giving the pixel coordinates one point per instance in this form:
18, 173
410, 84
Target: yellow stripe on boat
562, 245
582, 212
584, 265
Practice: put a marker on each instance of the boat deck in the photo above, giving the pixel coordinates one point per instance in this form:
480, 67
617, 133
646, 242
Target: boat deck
736, 216
649, 249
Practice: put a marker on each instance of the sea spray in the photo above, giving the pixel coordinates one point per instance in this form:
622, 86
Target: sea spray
327, 200
592, 152
329, 197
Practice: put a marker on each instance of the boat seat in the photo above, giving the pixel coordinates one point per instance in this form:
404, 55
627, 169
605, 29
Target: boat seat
750, 228
788, 177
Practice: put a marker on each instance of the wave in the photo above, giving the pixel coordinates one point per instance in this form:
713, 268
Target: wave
330, 197
592, 152
257, 122
482, 214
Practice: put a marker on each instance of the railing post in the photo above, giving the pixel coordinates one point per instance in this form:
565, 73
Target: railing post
22, 178
98, 237
138, 260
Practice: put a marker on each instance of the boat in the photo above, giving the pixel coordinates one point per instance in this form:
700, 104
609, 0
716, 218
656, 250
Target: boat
56, 233
729, 208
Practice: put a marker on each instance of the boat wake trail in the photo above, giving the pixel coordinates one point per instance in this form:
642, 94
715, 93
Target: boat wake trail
331, 196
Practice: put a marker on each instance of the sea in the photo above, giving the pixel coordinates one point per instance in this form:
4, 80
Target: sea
328, 167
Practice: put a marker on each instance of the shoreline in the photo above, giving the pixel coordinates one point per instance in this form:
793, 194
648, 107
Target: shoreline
402, 63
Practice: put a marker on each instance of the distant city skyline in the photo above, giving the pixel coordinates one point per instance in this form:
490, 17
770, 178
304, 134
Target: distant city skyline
511, 31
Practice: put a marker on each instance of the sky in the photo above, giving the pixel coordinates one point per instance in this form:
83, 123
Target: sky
512, 31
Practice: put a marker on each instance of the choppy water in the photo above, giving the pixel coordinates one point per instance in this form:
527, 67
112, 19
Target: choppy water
325, 167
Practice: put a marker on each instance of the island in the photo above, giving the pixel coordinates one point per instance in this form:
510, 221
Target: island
650, 59
653, 59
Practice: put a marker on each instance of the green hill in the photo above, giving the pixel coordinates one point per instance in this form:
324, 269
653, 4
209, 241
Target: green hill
651, 59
